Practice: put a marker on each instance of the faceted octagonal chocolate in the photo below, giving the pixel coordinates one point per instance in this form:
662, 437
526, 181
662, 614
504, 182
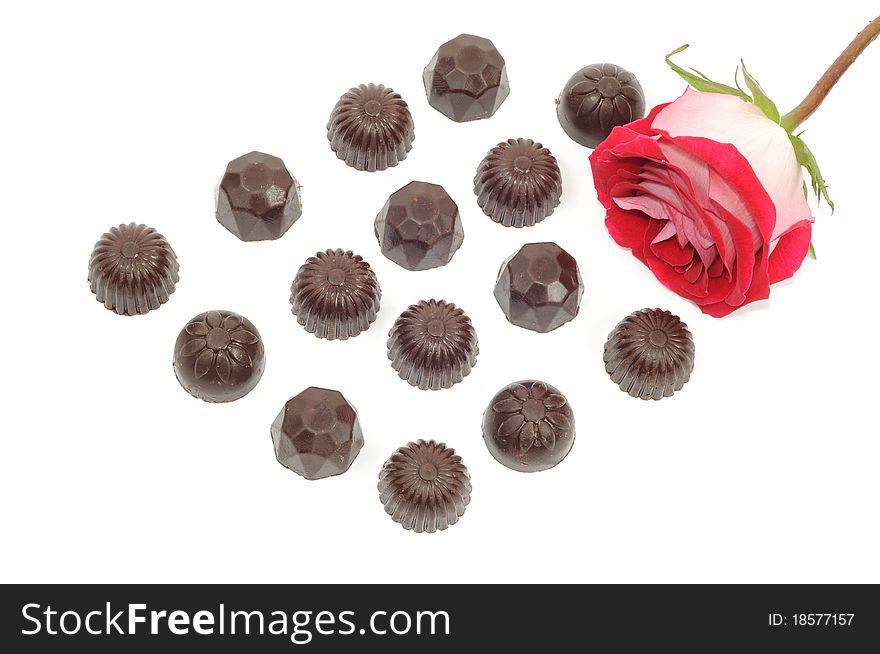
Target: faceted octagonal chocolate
419, 227
258, 199
317, 434
466, 79
540, 287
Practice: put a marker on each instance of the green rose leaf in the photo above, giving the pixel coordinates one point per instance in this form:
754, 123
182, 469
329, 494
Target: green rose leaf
761, 99
700, 81
806, 159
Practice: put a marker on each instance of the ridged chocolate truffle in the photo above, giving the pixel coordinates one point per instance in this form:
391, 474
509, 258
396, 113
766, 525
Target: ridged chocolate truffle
335, 294
133, 269
424, 486
371, 128
529, 426
258, 199
597, 99
317, 434
540, 287
433, 345
419, 227
219, 356
466, 79
518, 183
650, 354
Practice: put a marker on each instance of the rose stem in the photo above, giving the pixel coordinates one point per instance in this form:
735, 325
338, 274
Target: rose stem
815, 97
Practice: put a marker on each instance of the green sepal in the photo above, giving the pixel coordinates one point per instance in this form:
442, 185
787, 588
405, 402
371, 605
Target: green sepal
806, 159
702, 83
812, 251
760, 98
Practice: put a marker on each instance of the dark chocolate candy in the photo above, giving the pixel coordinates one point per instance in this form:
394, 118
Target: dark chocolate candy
597, 99
219, 356
650, 354
540, 287
433, 345
424, 486
371, 128
518, 183
419, 227
317, 434
466, 79
258, 199
335, 295
529, 426
133, 269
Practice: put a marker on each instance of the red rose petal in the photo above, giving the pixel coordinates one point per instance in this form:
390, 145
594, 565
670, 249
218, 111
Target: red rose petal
790, 251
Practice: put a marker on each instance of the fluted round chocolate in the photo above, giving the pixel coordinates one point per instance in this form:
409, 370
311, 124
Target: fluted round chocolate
219, 356
518, 183
335, 295
597, 99
133, 269
433, 345
650, 354
371, 128
424, 486
529, 426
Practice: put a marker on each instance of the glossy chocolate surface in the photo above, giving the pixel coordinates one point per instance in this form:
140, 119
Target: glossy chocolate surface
371, 128
650, 354
317, 434
540, 287
529, 426
419, 227
133, 269
518, 183
335, 295
258, 198
597, 99
219, 356
466, 79
433, 345
424, 486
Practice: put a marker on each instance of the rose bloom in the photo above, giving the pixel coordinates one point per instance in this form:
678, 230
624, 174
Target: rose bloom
706, 191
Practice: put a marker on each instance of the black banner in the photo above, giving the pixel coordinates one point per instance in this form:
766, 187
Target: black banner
418, 618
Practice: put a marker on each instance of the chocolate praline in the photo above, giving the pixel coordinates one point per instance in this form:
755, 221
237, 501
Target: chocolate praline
133, 269
371, 128
596, 99
650, 354
335, 295
424, 486
518, 183
540, 287
317, 434
419, 228
433, 345
466, 79
529, 426
258, 199
219, 356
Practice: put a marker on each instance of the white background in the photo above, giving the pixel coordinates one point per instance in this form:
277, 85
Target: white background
763, 469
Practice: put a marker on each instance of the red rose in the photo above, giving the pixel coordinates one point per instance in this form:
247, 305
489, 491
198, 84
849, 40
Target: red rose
707, 192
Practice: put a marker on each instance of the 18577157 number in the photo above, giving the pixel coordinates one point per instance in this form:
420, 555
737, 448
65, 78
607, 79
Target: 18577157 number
822, 619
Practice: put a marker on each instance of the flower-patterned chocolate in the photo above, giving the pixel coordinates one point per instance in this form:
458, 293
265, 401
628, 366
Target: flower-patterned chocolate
219, 356
529, 426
